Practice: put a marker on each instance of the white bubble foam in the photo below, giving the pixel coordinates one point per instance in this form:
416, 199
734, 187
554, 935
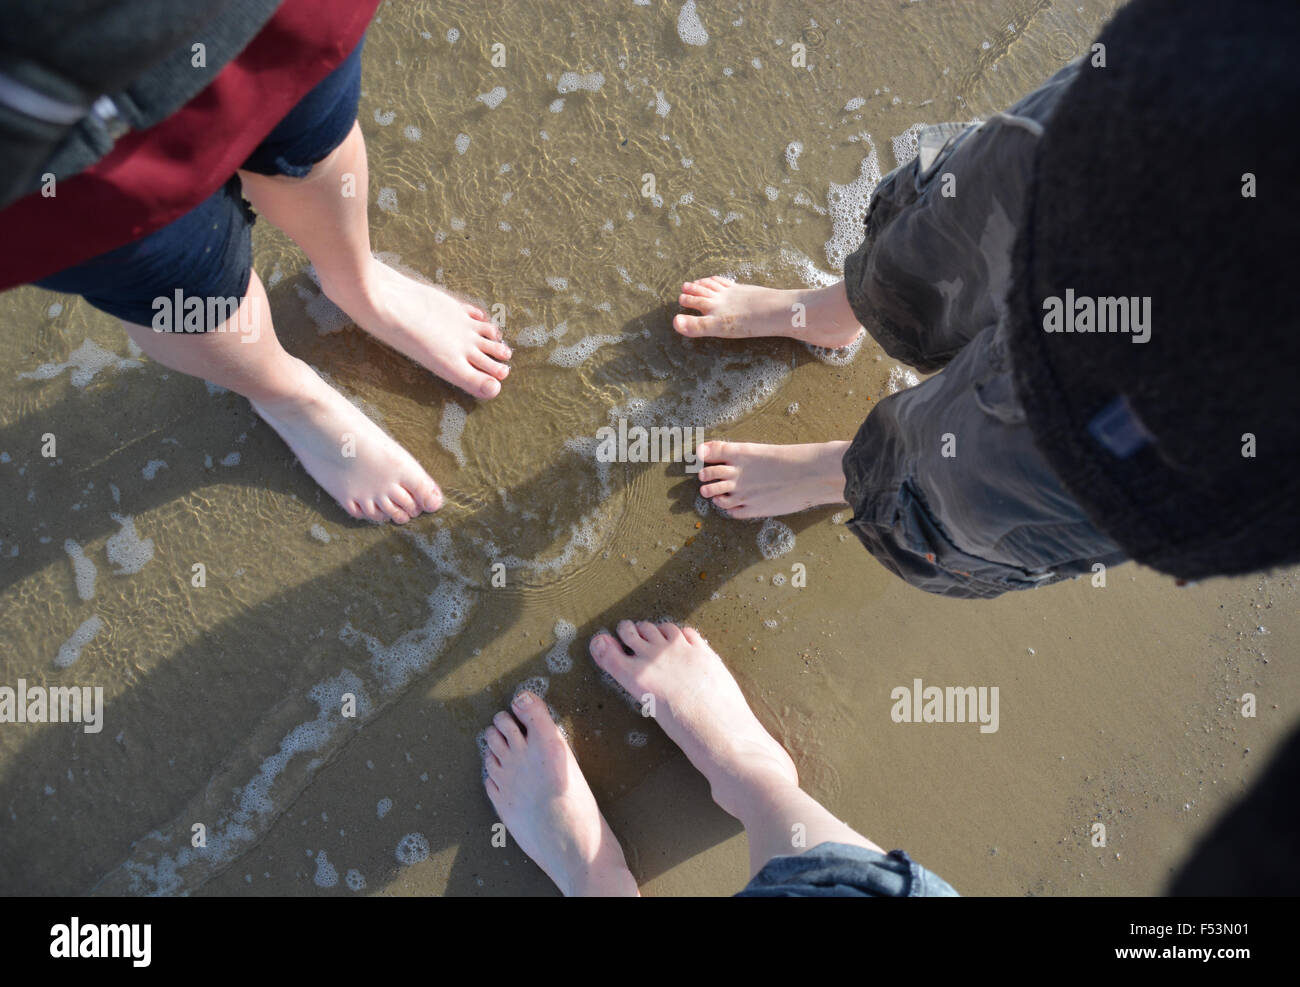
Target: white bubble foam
152, 467
387, 199
411, 849
415, 651
152, 871
451, 430
792, 152
383, 807
734, 385
558, 659
635, 738
900, 378
494, 98
327, 316
856, 103
847, 205
70, 650
662, 106
557, 105
126, 549
581, 351
356, 881
907, 144
83, 570
841, 356
385, 117
539, 335
320, 534
536, 684
775, 538
412, 132
453, 35
85, 362
571, 82
326, 875
230, 459
689, 27
462, 143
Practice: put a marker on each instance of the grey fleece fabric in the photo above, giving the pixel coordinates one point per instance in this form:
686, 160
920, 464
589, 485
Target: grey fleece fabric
1165, 185
137, 53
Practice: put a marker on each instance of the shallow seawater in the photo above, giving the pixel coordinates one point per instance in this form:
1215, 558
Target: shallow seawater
527, 186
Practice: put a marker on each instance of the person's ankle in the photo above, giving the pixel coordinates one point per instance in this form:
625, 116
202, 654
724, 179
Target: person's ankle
832, 472
617, 882
291, 388
355, 291
825, 310
743, 795
602, 875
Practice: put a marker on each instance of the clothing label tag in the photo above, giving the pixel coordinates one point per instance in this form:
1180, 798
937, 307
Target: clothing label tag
1119, 429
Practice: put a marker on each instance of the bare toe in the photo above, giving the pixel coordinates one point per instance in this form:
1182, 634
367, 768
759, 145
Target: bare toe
720, 472
629, 635
693, 325
395, 513
650, 632
495, 349
669, 630
488, 387
509, 728
496, 742
426, 494
609, 655
400, 496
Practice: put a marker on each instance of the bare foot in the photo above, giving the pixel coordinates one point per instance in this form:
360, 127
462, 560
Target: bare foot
357, 463
698, 704
455, 340
821, 317
749, 479
539, 792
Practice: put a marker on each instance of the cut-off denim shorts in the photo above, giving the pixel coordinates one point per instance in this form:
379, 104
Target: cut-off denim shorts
208, 252
838, 870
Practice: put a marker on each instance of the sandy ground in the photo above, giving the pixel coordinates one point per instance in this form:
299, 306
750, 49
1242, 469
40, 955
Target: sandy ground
1119, 705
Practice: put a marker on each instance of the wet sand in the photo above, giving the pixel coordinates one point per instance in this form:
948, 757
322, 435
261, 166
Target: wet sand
1118, 705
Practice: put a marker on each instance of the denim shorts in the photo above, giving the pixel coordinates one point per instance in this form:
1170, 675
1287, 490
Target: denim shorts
838, 870
208, 252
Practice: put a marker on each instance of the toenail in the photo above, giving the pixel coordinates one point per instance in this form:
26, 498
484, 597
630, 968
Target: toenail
524, 699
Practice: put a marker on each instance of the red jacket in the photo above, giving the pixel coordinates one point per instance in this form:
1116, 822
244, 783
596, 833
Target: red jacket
152, 177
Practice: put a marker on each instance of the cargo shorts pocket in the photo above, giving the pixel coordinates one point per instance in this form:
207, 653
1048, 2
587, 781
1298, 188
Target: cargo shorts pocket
917, 529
